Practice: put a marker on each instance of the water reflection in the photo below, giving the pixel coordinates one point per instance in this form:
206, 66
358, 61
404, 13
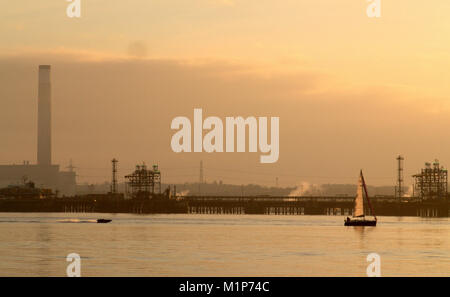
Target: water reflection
218, 245
43, 249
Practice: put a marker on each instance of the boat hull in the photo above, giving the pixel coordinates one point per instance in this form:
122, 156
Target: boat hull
360, 223
103, 221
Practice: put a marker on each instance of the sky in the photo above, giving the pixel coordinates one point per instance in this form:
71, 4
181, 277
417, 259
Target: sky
351, 91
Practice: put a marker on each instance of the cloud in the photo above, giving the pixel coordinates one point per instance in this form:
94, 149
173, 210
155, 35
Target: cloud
137, 49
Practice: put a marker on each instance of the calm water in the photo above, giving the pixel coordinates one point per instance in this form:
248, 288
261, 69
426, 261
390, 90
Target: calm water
220, 245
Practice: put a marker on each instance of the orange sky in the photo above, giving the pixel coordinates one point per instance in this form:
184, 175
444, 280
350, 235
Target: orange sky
350, 91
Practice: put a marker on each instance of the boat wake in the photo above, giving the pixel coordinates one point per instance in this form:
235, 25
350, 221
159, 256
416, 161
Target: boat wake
76, 221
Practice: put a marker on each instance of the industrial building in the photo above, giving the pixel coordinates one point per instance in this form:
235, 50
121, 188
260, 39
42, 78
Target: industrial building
143, 183
431, 182
44, 174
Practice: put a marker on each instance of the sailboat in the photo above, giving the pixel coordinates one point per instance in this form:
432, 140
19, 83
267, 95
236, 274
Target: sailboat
361, 200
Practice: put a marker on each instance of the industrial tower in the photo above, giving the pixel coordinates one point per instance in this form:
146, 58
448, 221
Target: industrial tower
44, 148
201, 180
399, 188
114, 176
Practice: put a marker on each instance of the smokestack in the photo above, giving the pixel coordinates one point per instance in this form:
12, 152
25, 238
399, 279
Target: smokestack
44, 149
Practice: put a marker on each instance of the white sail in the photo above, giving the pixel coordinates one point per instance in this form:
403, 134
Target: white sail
359, 201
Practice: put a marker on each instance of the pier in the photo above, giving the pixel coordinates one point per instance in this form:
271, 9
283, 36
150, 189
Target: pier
226, 205
340, 206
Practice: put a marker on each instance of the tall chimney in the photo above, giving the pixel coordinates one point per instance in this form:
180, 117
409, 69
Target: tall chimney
44, 149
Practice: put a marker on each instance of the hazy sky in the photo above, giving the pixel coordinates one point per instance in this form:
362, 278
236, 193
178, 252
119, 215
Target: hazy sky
351, 92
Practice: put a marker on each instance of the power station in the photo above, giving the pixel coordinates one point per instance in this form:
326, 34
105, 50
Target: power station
44, 174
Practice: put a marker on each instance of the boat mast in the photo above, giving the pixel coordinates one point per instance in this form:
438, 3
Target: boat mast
367, 196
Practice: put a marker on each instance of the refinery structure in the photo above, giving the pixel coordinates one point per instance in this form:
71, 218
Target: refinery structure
431, 182
143, 183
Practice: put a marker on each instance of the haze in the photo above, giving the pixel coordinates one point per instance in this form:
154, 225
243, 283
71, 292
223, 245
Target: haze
351, 92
